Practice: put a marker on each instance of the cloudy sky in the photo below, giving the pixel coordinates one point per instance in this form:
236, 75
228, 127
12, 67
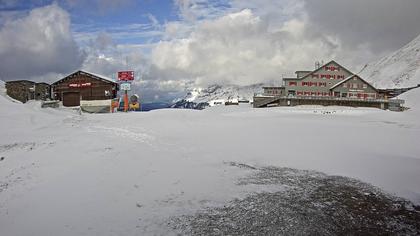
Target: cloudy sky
177, 44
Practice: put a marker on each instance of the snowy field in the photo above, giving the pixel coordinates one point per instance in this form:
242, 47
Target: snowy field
62, 173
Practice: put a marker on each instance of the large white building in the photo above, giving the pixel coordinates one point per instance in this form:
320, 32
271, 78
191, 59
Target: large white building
329, 84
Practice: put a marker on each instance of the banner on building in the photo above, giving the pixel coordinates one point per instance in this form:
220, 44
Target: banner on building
80, 85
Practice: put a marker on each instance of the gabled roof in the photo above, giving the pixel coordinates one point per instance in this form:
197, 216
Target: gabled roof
350, 77
92, 75
43, 83
18, 81
320, 68
100, 76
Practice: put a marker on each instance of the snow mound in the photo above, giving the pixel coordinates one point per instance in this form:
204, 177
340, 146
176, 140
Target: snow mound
2, 89
412, 100
397, 70
5, 100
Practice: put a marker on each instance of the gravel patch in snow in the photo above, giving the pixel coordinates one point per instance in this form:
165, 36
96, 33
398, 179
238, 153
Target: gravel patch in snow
312, 203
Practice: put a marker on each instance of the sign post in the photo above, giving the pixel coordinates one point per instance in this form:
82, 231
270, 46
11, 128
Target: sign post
125, 101
125, 77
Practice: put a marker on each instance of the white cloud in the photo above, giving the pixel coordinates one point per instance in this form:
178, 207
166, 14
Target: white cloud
193, 10
241, 48
37, 44
262, 40
382, 25
223, 41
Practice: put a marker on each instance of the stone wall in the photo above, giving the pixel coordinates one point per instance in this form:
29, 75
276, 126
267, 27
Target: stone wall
20, 90
24, 90
42, 91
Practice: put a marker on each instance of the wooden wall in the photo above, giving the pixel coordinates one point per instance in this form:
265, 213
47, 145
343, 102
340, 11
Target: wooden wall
88, 87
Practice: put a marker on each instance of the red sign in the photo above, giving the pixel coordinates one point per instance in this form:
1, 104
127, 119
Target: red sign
80, 85
125, 75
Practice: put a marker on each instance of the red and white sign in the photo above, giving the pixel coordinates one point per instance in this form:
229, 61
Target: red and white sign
125, 75
80, 85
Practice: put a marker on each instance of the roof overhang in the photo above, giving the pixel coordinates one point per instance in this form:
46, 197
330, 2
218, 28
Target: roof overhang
91, 75
350, 77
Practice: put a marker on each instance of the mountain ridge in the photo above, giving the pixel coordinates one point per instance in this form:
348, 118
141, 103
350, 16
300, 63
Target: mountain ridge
399, 69
199, 98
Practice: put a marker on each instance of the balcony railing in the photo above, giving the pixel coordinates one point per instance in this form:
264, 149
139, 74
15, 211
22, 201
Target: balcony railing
400, 101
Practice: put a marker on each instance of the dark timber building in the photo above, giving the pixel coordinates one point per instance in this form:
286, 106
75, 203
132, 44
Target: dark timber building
83, 85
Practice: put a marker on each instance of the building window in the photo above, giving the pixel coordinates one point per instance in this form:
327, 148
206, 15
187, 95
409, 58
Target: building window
292, 83
355, 86
331, 68
365, 86
345, 85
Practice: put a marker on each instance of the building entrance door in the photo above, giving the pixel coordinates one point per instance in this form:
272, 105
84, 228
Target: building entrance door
292, 93
71, 99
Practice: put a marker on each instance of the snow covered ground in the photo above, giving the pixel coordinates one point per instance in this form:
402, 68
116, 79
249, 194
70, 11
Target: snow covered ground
63, 173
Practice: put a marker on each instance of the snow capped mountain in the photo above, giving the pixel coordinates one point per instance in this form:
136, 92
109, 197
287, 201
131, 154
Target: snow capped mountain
397, 70
199, 98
